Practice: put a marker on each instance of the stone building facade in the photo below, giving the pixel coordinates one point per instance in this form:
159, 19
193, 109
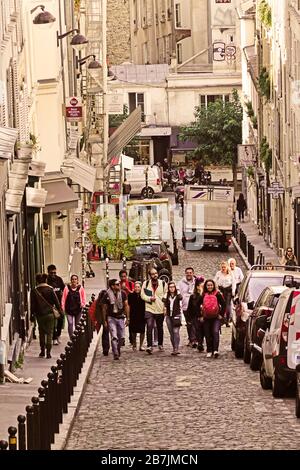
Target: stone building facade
118, 32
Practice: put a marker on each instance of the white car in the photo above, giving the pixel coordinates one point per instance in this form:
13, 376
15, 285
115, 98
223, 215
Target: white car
136, 177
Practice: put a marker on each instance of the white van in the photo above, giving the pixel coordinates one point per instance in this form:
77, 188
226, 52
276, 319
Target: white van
136, 177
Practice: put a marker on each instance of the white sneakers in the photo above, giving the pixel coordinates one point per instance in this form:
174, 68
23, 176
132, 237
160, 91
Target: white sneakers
209, 355
216, 354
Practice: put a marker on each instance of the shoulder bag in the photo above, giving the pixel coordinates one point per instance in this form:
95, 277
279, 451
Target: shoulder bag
55, 311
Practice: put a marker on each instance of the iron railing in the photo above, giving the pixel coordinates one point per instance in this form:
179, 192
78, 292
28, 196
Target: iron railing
246, 246
37, 429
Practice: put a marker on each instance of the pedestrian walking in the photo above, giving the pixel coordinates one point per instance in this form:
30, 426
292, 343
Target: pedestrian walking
193, 312
137, 316
42, 300
58, 285
126, 285
97, 313
116, 312
73, 301
173, 313
186, 288
289, 259
153, 292
226, 283
212, 311
241, 207
237, 273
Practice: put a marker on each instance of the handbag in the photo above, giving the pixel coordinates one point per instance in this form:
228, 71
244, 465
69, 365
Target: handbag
55, 311
176, 322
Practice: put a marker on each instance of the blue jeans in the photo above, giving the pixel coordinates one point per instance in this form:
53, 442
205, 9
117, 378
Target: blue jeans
174, 333
212, 328
71, 319
151, 318
117, 333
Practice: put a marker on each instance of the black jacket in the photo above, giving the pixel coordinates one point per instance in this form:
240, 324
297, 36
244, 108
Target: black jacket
176, 306
58, 285
40, 307
193, 310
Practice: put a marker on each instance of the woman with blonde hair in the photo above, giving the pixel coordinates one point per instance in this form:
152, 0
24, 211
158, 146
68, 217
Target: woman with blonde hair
226, 283
237, 272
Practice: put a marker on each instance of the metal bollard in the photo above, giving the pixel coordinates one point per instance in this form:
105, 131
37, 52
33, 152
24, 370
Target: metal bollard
68, 369
22, 432
47, 411
59, 363
30, 427
12, 438
35, 404
3, 445
56, 402
65, 385
51, 392
44, 440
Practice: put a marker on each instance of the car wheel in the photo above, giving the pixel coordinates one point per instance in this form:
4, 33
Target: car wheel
297, 410
239, 347
147, 193
232, 341
278, 386
255, 360
265, 381
247, 352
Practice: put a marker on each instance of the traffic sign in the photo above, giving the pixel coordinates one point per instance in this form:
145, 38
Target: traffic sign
246, 155
275, 189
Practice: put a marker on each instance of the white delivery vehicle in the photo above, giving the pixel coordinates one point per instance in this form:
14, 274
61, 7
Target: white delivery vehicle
137, 177
207, 216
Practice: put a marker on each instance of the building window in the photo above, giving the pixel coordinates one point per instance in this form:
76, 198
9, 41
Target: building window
135, 100
179, 53
205, 100
178, 15
139, 150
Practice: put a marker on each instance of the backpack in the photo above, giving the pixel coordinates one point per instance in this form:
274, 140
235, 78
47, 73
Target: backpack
210, 306
72, 305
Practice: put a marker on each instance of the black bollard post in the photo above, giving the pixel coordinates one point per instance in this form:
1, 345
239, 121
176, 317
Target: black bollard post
3, 445
22, 432
37, 431
44, 441
59, 363
30, 426
47, 411
55, 399
68, 370
71, 364
51, 392
12, 438
65, 385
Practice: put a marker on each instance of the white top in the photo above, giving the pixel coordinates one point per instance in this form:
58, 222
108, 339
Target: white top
238, 274
225, 280
171, 300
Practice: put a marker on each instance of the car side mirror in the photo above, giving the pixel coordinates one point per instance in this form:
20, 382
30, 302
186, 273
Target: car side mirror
250, 305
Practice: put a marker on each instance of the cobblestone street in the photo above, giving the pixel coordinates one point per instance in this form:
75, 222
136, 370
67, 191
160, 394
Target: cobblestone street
185, 402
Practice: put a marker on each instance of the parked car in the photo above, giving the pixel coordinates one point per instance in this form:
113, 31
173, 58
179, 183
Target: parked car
136, 177
265, 305
255, 281
153, 253
281, 345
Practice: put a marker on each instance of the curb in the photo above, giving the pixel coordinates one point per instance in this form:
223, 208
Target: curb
238, 249
68, 419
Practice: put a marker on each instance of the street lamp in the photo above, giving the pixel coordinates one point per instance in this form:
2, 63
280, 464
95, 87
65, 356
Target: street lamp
44, 17
78, 41
94, 66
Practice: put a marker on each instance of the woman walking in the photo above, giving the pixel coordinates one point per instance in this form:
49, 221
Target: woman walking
73, 301
173, 314
212, 312
137, 320
241, 207
42, 300
226, 283
237, 273
193, 312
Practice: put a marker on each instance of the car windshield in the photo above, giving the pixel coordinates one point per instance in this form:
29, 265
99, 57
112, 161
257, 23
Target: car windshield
258, 284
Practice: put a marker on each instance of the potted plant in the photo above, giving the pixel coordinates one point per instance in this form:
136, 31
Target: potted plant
26, 149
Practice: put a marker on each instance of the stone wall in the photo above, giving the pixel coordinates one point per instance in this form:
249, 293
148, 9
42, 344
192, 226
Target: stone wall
118, 32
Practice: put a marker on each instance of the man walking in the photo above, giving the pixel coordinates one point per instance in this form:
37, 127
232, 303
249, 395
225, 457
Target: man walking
153, 292
116, 311
186, 287
58, 286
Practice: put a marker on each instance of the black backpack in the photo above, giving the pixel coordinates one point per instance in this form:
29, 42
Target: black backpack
73, 304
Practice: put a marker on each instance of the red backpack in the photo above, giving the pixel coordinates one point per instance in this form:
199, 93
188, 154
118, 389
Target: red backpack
210, 306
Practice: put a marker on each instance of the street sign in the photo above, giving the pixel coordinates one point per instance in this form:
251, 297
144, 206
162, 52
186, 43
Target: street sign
115, 103
275, 189
246, 155
74, 109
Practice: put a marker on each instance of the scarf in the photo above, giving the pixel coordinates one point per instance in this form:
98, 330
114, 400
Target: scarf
115, 301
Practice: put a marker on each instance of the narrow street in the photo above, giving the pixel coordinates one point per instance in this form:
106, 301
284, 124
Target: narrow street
185, 402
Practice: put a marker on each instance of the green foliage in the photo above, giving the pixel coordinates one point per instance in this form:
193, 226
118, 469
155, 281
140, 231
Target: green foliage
265, 14
266, 154
20, 361
115, 120
250, 172
251, 114
264, 83
110, 233
217, 130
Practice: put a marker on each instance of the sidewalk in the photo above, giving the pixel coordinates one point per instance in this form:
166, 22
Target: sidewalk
15, 397
257, 240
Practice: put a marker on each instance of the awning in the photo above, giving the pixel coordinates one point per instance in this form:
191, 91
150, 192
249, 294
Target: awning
124, 134
80, 173
60, 196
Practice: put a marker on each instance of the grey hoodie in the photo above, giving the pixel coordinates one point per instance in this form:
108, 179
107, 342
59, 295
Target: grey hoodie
186, 289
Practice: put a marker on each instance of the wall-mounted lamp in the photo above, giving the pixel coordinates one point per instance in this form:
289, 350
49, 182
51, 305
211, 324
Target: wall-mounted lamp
61, 216
44, 17
78, 41
110, 75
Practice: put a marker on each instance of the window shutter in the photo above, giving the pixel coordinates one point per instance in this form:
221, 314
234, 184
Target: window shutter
10, 96
26, 114
15, 89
